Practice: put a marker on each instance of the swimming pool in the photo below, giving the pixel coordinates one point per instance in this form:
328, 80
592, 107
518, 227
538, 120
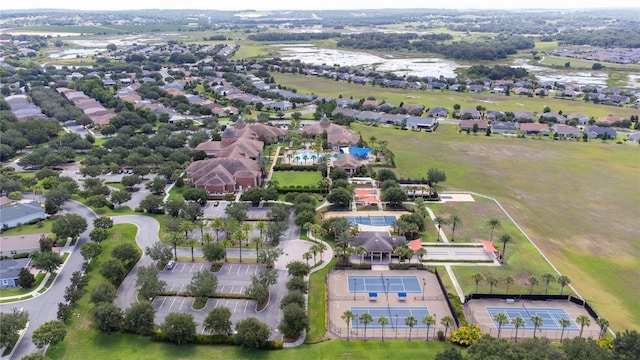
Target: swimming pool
372, 220
311, 156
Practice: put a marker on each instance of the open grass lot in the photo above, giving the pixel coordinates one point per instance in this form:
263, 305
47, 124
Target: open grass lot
20, 291
432, 98
317, 308
578, 202
295, 178
30, 229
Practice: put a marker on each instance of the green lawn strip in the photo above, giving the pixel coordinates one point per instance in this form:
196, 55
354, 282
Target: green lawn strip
297, 178
432, 98
317, 309
48, 283
176, 193
25, 229
554, 189
21, 291
116, 185
80, 335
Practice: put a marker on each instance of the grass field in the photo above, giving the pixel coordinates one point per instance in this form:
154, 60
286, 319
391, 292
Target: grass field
21, 291
30, 229
432, 98
297, 178
317, 304
578, 202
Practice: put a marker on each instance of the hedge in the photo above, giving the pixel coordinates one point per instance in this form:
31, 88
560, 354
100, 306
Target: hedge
216, 295
289, 167
201, 339
406, 266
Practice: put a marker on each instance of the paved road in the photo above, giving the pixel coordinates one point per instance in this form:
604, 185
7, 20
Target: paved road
44, 307
147, 234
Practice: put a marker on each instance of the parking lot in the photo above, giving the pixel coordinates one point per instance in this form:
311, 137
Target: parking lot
232, 279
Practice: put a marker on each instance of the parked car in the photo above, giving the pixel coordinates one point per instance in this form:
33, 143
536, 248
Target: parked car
170, 265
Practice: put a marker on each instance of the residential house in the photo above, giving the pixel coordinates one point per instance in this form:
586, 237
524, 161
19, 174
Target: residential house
534, 129
523, 116
503, 127
233, 145
493, 115
19, 244
520, 91
476, 88
413, 108
580, 118
281, 105
610, 120
438, 112
224, 175
469, 124
419, 123
367, 115
337, 135
635, 137
597, 132
386, 107
395, 119
552, 117
469, 113
565, 131
10, 271
24, 212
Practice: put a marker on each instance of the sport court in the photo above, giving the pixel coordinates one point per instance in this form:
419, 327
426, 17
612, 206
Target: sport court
395, 315
384, 284
550, 317
372, 220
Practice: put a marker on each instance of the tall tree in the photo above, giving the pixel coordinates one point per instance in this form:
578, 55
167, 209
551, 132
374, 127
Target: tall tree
148, 282
563, 281
477, 277
294, 321
533, 281
547, 278
492, 280
537, 321
410, 321
179, 328
12, 323
69, 225
252, 333
501, 319
160, 252
430, 321
603, 324
348, 316
564, 323
218, 321
439, 221
447, 322
138, 318
217, 225
203, 284
455, 222
174, 238
46, 261
49, 333
493, 223
508, 280
213, 252
383, 321
583, 321
504, 239
517, 322
107, 317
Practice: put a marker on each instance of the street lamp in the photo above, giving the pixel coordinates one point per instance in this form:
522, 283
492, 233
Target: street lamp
396, 326
387, 289
355, 286
424, 285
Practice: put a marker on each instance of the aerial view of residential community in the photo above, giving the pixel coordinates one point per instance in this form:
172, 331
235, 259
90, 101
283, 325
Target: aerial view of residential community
325, 182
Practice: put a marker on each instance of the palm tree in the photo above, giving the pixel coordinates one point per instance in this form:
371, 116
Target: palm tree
201, 225
492, 280
493, 223
226, 242
563, 281
305, 158
564, 323
501, 319
447, 322
347, 316
508, 280
477, 277
246, 227
257, 241
207, 237
192, 242
533, 281
537, 323
186, 226
455, 222
410, 321
217, 225
504, 239
517, 322
383, 321
365, 319
174, 238
604, 324
262, 227
583, 321
421, 253
315, 248
238, 236
429, 321
372, 141
438, 221
360, 250
307, 256
325, 184
547, 279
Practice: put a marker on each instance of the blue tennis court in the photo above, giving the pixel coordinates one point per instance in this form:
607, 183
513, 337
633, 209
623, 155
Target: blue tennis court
550, 317
384, 284
372, 220
395, 315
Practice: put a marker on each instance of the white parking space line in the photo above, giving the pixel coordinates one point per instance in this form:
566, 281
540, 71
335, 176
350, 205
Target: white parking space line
227, 303
182, 303
222, 290
182, 287
201, 267
172, 286
182, 268
235, 309
173, 302
192, 266
241, 290
230, 267
238, 272
217, 301
162, 303
246, 304
247, 271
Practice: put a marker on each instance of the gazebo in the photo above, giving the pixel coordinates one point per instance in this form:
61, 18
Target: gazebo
379, 244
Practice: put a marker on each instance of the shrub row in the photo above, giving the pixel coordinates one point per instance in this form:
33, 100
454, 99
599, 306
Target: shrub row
215, 296
290, 167
202, 339
406, 266
363, 266
457, 307
299, 189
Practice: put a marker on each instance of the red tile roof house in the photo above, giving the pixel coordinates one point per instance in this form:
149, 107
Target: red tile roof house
224, 175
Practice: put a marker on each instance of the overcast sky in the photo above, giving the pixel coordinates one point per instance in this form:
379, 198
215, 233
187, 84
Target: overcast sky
308, 5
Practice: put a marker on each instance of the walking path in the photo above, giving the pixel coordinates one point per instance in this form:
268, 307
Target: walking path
273, 164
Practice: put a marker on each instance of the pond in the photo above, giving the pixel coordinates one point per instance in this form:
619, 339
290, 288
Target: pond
584, 77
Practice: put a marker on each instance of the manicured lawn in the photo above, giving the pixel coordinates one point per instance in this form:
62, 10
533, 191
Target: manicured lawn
176, 193
431, 98
317, 308
30, 229
578, 202
297, 178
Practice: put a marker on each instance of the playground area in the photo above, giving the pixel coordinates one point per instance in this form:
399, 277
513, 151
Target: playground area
392, 294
